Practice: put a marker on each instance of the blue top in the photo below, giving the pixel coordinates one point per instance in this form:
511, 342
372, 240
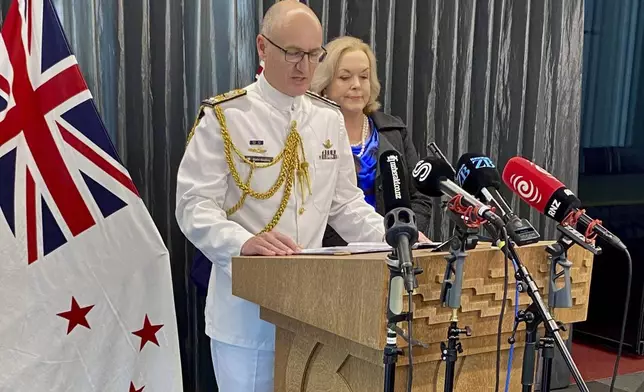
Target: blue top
367, 165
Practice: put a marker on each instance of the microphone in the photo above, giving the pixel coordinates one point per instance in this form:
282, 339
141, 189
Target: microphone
400, 221
550, 196
432, 177
478, 175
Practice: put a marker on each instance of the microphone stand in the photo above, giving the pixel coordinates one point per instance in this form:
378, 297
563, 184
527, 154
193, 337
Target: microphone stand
394, 316
537, 313
402, 277
557, 298
465, 238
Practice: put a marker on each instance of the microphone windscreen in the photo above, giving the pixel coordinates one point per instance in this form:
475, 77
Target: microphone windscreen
475, 171
539, 188
395, 190
428, 174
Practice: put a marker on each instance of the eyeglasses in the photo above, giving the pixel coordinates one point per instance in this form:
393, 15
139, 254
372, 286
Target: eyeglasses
295, 56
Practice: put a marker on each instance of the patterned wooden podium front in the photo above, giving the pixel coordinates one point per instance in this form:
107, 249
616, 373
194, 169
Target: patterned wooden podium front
330, 317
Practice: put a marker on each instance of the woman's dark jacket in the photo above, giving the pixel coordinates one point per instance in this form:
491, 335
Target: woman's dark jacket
393, 135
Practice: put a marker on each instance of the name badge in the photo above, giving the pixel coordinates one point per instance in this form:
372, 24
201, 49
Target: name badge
328, 154
256, 159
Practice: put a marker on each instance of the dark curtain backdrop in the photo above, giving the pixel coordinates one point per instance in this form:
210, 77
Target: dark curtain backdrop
502, 77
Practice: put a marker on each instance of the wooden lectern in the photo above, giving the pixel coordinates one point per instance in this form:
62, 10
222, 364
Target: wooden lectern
330, 317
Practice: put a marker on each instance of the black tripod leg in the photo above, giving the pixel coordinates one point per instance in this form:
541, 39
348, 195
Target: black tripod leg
545, 375
390, 358
529, 351
547, 354
449, 376
449, 355
394, 315
527, 371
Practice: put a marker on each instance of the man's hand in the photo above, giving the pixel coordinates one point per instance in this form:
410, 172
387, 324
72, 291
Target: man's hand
269, 244
422, 238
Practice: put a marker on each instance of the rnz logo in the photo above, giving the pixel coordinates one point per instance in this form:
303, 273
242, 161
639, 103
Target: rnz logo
554, 207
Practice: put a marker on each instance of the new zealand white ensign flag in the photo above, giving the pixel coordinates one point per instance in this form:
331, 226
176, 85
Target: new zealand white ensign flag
86, 298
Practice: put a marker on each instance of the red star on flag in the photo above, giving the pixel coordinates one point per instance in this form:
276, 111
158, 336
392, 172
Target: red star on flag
148, 332
76, 316
133, 388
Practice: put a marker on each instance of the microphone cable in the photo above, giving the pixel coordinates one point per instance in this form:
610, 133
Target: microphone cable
505, 298
410, 368
516, 312
625, 317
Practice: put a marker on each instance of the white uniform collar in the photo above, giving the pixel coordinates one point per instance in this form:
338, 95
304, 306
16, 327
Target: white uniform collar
276, 98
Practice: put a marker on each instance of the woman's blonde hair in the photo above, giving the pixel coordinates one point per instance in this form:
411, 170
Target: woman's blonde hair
326, 70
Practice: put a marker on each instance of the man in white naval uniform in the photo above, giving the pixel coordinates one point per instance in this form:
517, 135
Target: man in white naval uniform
293, 147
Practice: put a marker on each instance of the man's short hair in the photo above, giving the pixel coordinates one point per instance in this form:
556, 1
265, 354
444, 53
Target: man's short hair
272, 17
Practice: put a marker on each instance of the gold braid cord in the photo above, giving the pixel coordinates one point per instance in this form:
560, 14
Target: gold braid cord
292, 165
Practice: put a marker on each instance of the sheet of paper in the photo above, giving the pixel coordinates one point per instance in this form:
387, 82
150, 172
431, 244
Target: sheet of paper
362, 247
345, 250
418, 245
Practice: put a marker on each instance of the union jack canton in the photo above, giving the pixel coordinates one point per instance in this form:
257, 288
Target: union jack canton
53, 144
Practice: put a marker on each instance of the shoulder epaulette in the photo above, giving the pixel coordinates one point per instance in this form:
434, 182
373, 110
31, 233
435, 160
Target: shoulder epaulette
211, 103
323, 99
230, 95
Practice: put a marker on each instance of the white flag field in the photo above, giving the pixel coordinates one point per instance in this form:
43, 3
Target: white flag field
86, 299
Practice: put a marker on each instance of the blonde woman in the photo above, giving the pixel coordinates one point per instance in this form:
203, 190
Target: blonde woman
349, 77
